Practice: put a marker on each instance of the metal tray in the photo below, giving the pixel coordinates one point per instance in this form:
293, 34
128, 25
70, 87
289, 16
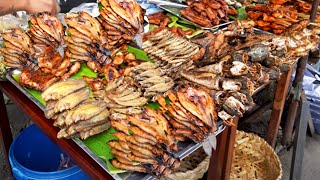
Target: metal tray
176, 11
187, 147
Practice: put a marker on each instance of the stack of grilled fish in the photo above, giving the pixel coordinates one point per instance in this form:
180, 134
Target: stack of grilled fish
16, 49
122, 20
206, 13
149, 138
169, 51
122, 97
151, 78
46, 30
84, 38
145, 139
69, 105
191, 112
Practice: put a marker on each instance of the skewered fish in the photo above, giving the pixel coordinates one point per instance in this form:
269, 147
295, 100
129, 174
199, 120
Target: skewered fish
163, 45
121, 21
16, 49
46, 29
119, 165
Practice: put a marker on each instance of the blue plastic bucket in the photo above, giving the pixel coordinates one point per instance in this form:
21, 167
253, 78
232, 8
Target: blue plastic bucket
33, 156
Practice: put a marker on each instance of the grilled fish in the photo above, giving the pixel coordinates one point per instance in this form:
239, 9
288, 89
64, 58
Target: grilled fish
87, 111
60, 89
95, 130
209, 80
72, 100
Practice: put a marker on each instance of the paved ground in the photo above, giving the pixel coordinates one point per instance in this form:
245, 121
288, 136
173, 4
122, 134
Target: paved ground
311, 163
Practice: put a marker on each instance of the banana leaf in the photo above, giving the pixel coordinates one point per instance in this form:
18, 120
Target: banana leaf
140, 54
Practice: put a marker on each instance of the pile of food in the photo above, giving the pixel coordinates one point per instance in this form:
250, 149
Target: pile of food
171, 52
206, 13
46, 30
121, 21
85, 40
276, 16
69, 105
16, 48
160, 19
151, 78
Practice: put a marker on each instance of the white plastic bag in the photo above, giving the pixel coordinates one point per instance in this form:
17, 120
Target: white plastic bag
8, 22
91, 8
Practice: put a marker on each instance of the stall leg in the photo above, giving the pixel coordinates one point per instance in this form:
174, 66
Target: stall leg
277, 109
5, 130
300, 139
221, 159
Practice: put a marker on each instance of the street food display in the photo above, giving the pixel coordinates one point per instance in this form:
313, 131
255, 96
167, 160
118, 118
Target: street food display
194, 82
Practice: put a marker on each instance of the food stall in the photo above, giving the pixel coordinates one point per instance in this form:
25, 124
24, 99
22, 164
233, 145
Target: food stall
129, 100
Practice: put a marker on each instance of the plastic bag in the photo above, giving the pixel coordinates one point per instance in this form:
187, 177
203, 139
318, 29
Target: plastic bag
150, 8
91, 8
8, 22
311, 82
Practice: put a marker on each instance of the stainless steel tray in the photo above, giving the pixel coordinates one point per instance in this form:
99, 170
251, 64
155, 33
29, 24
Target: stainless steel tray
176, 11
187, 147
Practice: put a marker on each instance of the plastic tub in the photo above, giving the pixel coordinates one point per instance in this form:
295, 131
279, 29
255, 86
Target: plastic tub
33, 156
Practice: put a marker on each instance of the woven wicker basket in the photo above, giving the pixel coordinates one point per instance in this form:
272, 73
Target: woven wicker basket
192, 167
254, 158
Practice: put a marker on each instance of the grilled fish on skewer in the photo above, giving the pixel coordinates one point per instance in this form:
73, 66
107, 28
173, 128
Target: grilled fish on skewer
123, 160
51, 25
119, 165
117, 146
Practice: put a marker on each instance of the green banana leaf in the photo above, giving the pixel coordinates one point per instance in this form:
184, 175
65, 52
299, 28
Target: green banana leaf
152, 27
140, 54
174, 23
98, 145
242, 14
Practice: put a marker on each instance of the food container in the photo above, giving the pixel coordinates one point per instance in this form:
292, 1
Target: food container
254, 158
